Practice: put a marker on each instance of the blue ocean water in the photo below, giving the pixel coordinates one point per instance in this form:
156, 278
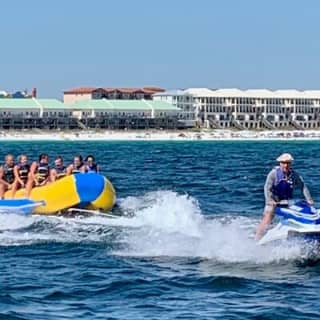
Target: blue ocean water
185, 251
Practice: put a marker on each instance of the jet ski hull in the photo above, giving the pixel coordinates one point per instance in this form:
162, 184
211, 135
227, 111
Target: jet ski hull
297, 222
304, 235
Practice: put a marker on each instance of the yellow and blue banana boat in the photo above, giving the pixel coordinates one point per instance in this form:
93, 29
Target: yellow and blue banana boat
87, 191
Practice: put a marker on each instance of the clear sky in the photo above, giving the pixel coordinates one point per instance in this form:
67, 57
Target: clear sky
60, 44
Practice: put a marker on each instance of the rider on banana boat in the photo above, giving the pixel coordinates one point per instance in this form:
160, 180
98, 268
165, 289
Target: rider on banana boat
6, 174
77, 166
59, 170
39, 173
21, 174
90, 165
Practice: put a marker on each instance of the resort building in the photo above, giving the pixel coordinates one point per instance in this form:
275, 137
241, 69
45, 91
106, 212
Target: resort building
32, 113
86, 93
193, 107
247, 109
182, 100
126, 114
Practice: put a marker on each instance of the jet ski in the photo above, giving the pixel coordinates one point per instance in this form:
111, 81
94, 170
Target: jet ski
297, 221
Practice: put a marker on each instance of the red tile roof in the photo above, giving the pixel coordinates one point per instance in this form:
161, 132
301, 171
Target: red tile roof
109, 90
154, 89
90, 90
83, 90
130, 90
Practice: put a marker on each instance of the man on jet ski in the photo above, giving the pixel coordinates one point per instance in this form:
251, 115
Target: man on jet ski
279, 187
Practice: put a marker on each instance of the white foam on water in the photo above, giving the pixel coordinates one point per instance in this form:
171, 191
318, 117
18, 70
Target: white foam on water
169, 224
18, 229
14, 229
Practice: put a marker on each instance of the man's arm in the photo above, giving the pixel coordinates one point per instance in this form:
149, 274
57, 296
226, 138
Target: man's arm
69, 169
304, 189
53, 175
268, 186
32, 171
16, 175
2, 181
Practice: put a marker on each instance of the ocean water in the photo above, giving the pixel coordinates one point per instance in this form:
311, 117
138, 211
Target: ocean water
183, 248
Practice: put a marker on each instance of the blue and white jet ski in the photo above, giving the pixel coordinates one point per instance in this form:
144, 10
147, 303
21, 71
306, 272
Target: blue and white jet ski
297, 221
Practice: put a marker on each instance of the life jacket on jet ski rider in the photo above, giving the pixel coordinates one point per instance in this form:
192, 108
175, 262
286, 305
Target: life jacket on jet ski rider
283, 185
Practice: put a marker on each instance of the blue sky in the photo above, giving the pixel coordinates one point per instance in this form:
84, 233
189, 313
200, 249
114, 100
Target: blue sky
56, 45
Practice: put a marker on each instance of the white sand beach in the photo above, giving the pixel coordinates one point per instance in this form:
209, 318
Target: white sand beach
157, 135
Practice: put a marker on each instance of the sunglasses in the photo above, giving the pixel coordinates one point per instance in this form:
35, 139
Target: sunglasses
285, 162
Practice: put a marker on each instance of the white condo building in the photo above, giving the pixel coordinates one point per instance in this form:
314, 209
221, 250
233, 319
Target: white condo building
247, 109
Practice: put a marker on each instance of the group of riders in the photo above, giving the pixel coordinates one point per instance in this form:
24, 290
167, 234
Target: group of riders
14, 176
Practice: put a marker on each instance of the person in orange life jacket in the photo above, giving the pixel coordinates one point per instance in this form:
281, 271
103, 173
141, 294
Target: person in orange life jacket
39, 173
6, 175
77, 166
91, 166
279, 187
21, 174
59, 170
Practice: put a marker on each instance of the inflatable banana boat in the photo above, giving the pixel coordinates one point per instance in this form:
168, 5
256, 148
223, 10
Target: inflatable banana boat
87, 191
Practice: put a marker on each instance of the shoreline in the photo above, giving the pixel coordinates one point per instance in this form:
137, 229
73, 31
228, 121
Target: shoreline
159, 135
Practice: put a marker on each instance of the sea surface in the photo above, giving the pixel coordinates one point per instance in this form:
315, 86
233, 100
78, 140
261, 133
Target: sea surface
183, 248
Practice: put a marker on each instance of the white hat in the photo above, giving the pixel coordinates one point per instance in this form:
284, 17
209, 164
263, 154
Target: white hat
285, 157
